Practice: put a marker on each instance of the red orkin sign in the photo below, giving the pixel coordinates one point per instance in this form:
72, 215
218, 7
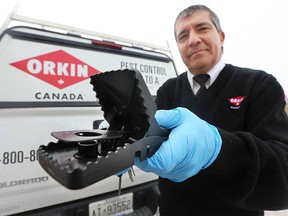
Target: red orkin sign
57, 68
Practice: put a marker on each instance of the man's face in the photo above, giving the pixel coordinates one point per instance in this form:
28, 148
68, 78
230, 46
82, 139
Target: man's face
199, 42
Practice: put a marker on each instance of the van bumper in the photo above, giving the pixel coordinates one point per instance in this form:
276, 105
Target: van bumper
145, 202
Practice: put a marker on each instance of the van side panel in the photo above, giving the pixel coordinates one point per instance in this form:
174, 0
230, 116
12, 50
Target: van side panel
45, 87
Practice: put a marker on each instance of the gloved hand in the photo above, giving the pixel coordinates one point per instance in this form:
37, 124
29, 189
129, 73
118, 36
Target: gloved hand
193, 144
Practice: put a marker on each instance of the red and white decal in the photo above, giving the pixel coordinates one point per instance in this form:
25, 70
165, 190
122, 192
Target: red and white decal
236, 101
57, 68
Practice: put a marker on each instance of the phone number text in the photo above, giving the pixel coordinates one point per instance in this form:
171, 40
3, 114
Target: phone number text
15, 157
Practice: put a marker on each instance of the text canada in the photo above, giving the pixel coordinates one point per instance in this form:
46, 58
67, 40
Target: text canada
58, 96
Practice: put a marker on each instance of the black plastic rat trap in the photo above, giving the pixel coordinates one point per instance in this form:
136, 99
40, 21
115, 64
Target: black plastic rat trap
83, 157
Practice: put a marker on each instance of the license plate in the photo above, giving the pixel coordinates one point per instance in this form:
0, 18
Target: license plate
115, 206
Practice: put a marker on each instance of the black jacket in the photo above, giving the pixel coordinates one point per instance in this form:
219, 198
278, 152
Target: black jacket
251, 172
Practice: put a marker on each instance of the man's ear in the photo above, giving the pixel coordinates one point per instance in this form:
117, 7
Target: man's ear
222, 36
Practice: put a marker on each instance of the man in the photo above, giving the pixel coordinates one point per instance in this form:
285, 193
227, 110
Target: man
227, 153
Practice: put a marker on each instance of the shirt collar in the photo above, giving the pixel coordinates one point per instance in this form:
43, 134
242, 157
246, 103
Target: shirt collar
213, 73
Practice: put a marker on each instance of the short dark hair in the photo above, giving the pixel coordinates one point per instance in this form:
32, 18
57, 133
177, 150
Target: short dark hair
191, 9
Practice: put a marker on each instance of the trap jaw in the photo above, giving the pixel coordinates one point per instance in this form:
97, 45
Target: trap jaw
83, 157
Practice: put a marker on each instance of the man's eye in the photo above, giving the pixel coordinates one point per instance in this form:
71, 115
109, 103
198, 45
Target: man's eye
182, 37
203, 29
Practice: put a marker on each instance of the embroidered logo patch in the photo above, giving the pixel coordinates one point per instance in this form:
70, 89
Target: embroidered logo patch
236, 101
57, 68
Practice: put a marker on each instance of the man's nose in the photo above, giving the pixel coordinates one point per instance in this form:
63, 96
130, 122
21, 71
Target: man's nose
194, 39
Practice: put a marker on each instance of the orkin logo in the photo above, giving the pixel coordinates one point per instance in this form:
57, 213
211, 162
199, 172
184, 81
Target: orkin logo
236, 101
57, 68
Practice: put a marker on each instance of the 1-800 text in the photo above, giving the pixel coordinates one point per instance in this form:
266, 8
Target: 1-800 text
14, 157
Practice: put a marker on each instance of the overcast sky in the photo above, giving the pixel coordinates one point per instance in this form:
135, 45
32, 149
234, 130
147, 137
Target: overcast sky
256, 30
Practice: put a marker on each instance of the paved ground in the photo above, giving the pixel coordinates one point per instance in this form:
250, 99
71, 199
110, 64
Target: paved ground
277, 213
267, 213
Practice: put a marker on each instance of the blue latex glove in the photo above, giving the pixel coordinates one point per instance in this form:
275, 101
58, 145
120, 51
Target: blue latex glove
193, 144
122, 172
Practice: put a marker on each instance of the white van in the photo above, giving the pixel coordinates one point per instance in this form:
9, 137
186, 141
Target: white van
45, 87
